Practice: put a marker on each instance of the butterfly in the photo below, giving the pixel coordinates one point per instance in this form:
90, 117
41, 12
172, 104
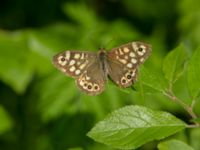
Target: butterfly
91, 70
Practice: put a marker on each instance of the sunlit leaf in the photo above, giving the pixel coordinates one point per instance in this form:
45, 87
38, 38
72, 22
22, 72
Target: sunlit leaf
6, 122
174, 145
80, 13
194, 138
152, 81
16, 69
173, 65
133, 126
193, 74
56, 96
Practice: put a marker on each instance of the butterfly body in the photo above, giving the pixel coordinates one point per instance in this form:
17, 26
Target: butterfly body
102, 56
91, 70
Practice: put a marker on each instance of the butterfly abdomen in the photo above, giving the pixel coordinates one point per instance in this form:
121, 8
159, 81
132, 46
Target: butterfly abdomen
103, 60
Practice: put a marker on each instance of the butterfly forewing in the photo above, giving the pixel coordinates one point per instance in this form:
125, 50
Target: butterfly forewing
123, 62
73, 63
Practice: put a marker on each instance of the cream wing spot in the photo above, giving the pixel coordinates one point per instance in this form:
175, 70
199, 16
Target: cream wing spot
140, 53
81, 82
126, 50
82, 66
141, 59
82, 56
87, 78
60, 57
67, 55
72, 62
132, 72
134, 46
77, 72
123, 61
133, 60
132, 54
77, 56
143, 47
71, 69
120, 51
129, 65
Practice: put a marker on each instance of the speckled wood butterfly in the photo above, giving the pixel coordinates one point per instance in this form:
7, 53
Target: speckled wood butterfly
91, 70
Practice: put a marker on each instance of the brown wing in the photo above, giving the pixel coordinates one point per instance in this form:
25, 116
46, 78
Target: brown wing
93, 79
73, 63
85, 67
123, 62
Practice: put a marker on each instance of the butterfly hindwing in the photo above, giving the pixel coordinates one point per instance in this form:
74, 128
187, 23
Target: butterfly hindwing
93, 79
120, 75
123, 62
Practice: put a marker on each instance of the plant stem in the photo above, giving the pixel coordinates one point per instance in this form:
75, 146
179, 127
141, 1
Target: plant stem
193, 126
188, 108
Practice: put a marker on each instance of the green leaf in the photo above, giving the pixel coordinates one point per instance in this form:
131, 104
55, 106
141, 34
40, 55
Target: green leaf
6, 122
76, 148
173, 64
80, 13
174, 145
195, 120
16, 69
57, 99
193, 74
152, 80
194, 136
133, 126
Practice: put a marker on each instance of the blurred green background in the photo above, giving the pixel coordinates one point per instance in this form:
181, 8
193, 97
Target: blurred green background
41, 108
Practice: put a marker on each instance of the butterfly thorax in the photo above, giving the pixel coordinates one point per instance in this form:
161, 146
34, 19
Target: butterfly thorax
102, 55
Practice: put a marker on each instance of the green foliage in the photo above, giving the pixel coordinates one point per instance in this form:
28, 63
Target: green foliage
193, 74
174, 145
6, 121
17, 72
132, 126
153, 80
194, 136
173, 64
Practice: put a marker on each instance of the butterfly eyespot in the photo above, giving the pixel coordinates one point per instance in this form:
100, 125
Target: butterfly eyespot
62, 59
123, 81
89, 87
140, 49
85, 84
128, 76
96, 87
